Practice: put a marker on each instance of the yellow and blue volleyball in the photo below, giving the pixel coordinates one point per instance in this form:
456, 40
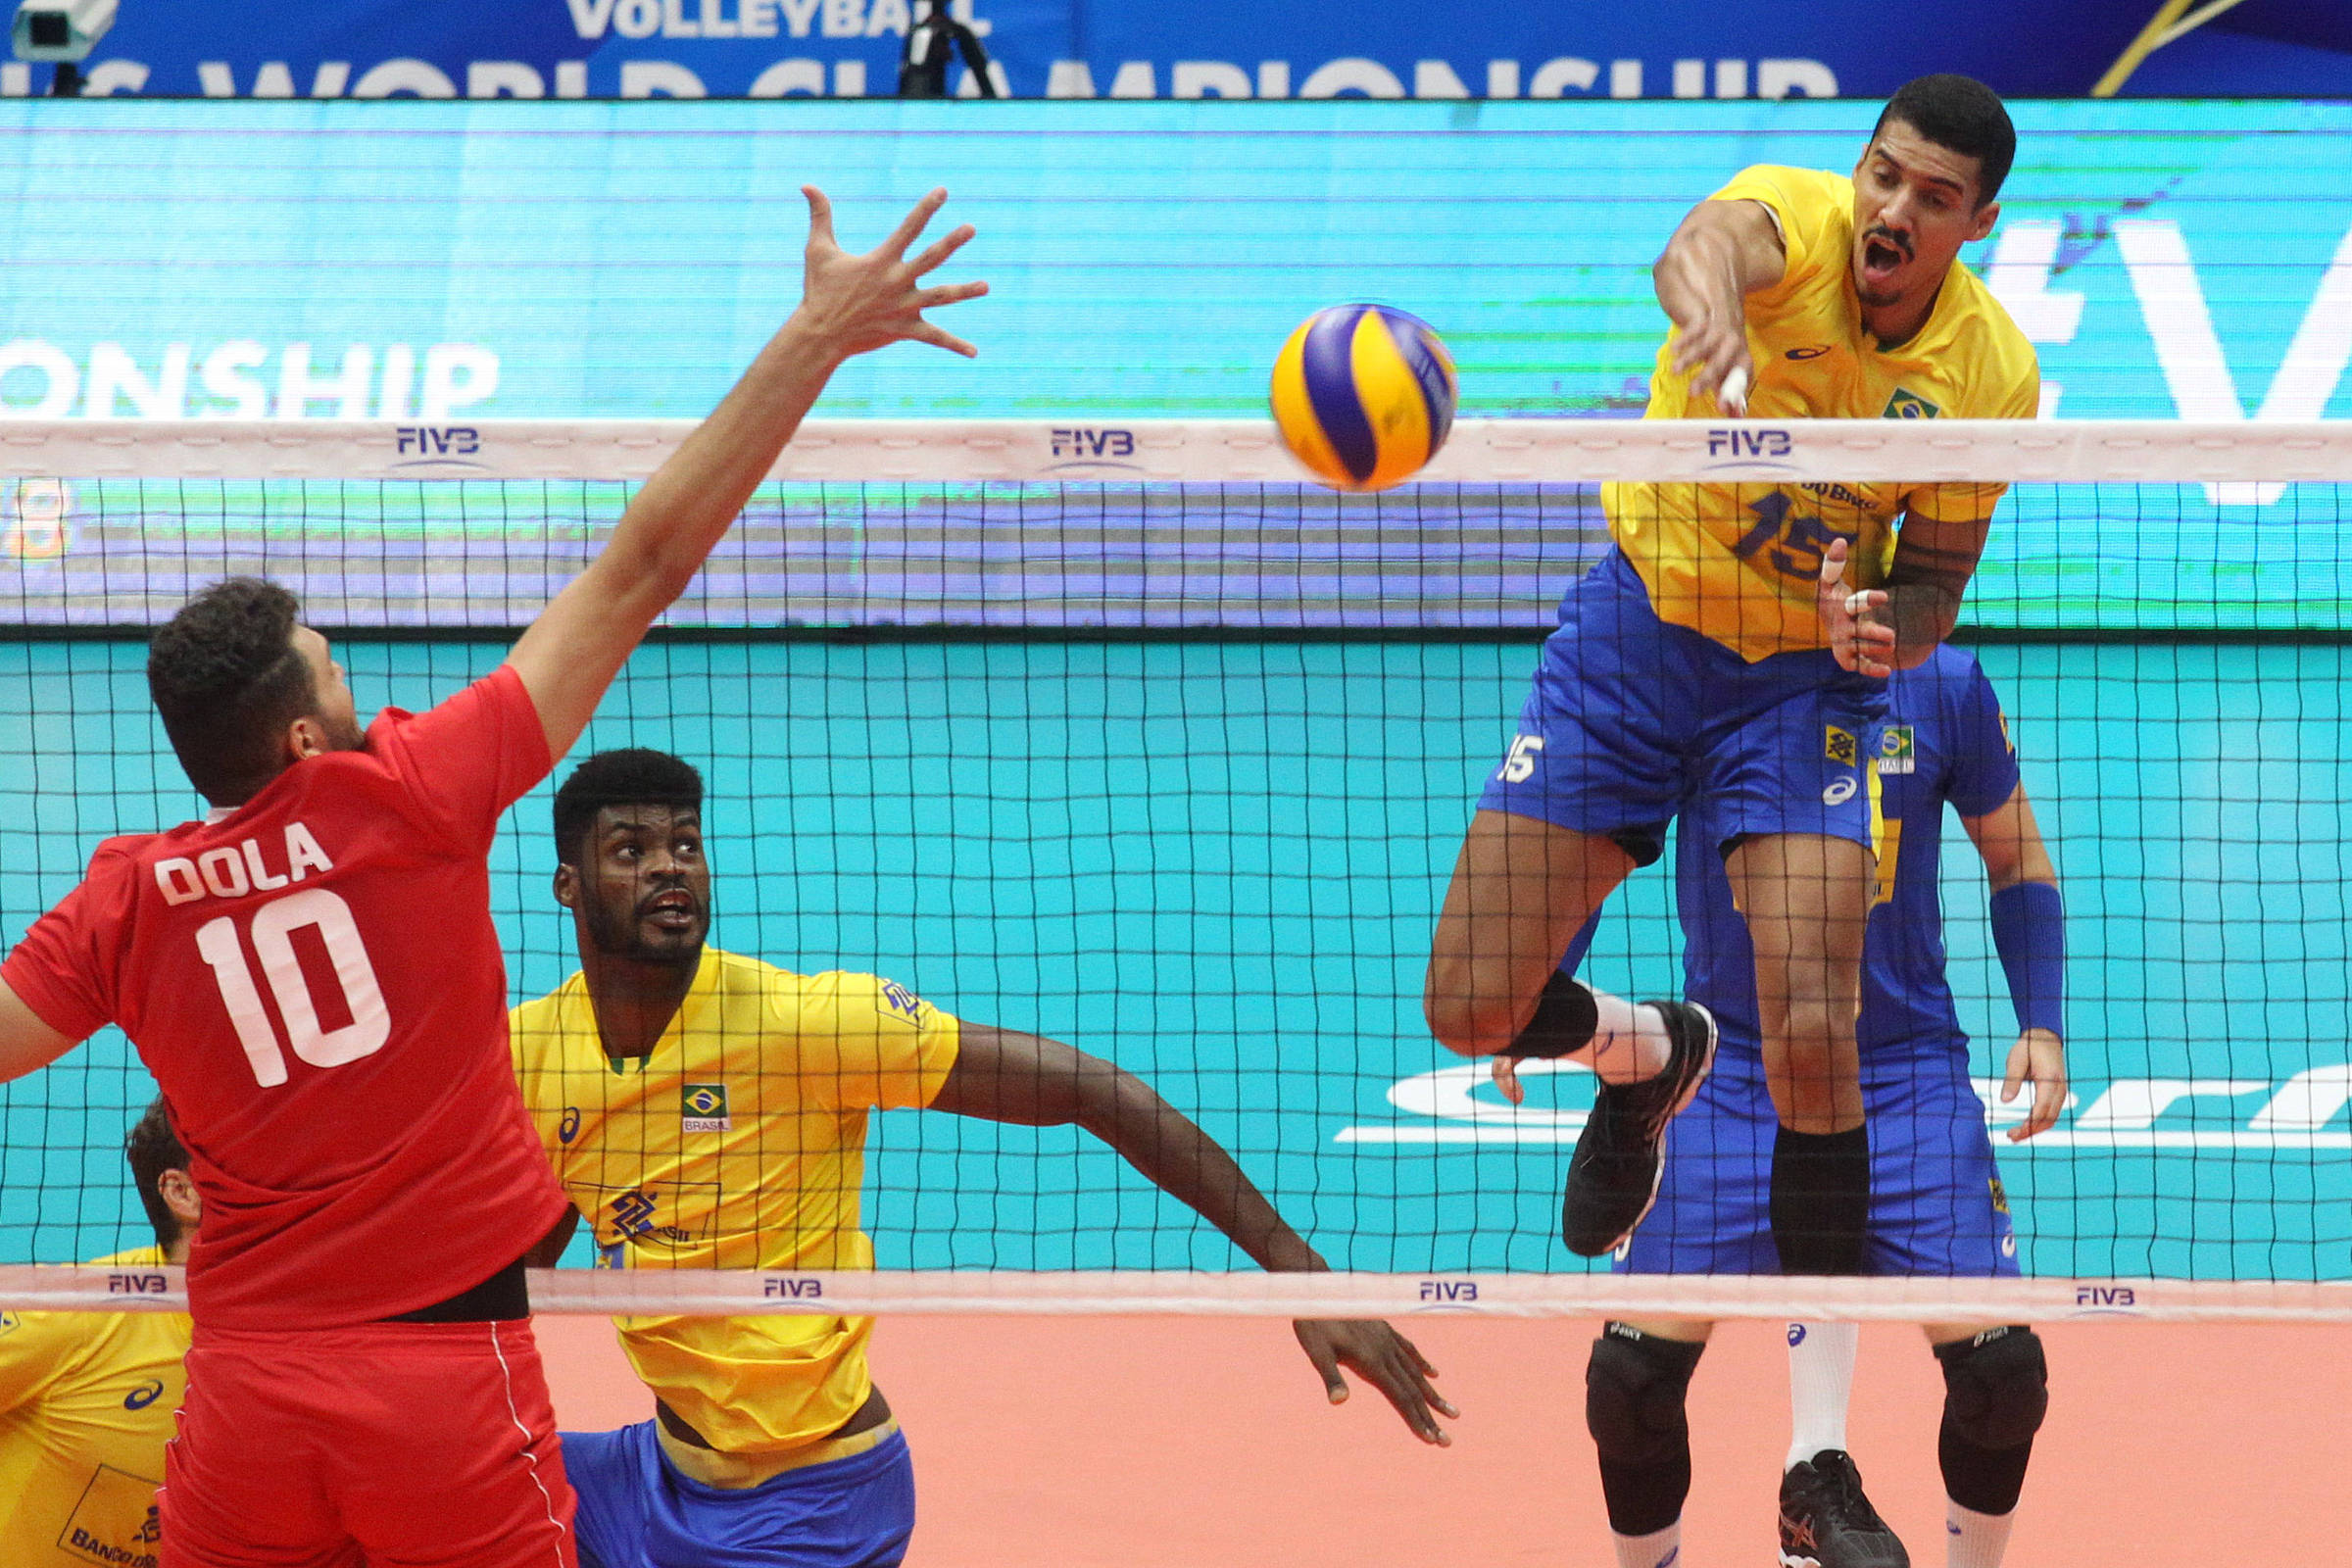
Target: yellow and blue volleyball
1363, 395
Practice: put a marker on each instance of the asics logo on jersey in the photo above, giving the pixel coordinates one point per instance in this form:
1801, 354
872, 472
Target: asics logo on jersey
1841, 791
145, 1395
233, 872
1813, 353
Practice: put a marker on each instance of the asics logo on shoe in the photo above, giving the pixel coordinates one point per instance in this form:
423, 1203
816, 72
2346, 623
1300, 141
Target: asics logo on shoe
1796, 1532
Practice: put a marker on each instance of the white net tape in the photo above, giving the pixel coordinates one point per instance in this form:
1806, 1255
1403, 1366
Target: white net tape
1204, 450
1163, 1291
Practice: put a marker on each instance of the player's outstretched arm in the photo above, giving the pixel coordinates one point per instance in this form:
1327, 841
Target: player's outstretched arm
2029, 930
1000, 1075
26, 1044
849, 305
1723, 252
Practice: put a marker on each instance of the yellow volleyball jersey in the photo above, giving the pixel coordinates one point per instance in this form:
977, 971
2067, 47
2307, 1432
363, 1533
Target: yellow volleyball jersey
86, 1405
1739, 562
738, 1142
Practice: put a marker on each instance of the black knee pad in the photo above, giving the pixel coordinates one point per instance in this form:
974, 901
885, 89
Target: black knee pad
1566, 1020
1634, 1388
1996, 1387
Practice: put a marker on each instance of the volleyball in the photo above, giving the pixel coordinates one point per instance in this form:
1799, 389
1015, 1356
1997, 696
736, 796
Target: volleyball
1363, 395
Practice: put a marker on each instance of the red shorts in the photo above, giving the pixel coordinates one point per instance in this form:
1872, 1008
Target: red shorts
392, 1444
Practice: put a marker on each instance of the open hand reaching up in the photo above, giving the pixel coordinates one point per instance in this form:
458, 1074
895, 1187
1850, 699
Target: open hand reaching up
857, 303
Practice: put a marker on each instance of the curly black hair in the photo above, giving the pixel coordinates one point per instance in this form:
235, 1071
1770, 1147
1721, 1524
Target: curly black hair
632, 775
228, 680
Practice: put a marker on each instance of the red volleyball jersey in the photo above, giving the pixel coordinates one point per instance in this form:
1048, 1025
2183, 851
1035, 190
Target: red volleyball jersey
315, 979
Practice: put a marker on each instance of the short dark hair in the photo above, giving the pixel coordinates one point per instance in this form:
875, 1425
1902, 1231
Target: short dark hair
153, 1147
632, 775
228, 680
1960, 113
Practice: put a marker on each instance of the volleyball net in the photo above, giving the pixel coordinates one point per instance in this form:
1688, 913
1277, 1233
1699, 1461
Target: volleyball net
1121, 734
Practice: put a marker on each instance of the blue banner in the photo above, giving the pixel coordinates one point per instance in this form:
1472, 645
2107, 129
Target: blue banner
1087, 48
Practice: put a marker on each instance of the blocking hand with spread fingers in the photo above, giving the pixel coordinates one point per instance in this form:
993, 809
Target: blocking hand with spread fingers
857, 303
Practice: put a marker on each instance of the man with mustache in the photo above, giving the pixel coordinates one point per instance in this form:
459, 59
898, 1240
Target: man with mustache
708, 1110
1732, 647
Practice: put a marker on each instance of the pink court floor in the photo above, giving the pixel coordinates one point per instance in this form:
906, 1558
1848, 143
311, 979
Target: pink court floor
1155, 1443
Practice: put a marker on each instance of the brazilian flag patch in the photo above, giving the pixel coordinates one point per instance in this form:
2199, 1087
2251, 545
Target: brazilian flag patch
1839, 746
702, 1109
1897, 750
1909, 406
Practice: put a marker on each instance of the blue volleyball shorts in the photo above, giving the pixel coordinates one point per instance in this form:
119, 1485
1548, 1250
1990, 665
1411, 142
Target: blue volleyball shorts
1630, 714
1937, 1204
636, 1510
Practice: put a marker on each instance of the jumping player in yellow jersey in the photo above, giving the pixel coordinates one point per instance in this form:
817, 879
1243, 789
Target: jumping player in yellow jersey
708, 1110
1734, 648
87, 1399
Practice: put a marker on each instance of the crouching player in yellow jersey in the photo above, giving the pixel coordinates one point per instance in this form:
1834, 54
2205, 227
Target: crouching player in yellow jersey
1733, 649
708, 1110
87, 1398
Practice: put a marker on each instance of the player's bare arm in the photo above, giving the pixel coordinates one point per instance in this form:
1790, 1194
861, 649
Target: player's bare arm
850, 305
2015, 854
1723, 252
1026, 1080
26, 1045
1877, 631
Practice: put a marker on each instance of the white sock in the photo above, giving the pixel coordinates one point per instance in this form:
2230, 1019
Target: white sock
1659, 1550
1629, 1043
1821, 1378
1974, 1539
